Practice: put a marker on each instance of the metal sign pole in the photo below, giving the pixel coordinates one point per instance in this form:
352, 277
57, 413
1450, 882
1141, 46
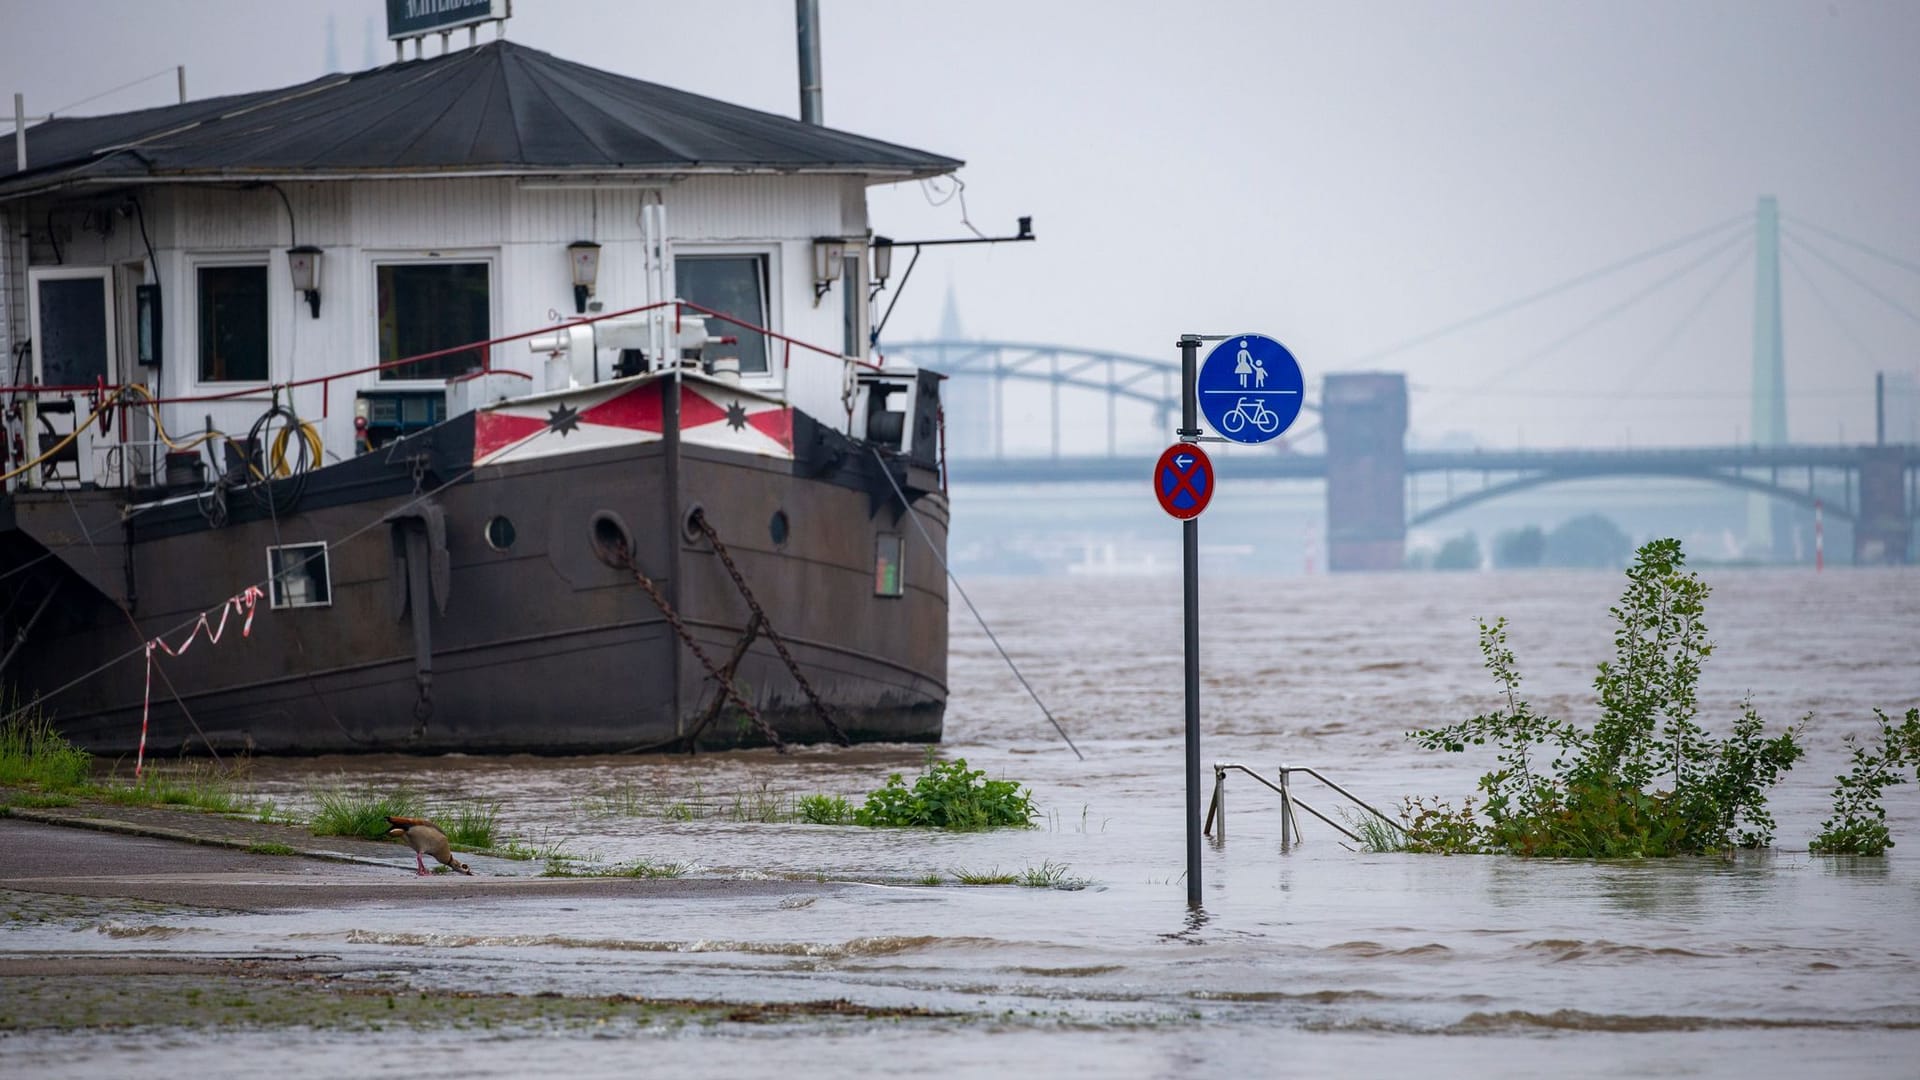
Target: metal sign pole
1190, 571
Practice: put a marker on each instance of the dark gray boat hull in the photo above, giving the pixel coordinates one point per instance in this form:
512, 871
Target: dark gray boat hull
541, 647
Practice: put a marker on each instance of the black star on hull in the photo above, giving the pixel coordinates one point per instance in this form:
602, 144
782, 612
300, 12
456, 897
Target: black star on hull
563, 419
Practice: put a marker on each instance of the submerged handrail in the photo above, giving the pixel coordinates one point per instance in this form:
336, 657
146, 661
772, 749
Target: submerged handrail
1289, 825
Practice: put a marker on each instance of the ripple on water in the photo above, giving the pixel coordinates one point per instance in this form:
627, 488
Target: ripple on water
855, 947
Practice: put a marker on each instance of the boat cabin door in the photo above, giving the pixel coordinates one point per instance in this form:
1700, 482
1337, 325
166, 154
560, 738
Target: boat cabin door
72, 318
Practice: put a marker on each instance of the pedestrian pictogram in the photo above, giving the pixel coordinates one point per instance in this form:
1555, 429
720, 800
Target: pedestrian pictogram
1183, 480
1250, 388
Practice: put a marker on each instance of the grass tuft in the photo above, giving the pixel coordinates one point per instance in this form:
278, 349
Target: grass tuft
361, 812
199, 785
995, 876
271, 847
1050, 875
32, 752
470, 823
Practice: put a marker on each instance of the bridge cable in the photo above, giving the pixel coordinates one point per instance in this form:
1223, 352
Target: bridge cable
1832, 310
1687, 320
1591, 324
935, 548
1904, 264
1844, 272
1554, 290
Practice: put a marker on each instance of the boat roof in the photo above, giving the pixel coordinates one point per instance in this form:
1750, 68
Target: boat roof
495, 109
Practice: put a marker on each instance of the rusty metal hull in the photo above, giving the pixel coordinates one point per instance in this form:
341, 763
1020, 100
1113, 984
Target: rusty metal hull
536, 646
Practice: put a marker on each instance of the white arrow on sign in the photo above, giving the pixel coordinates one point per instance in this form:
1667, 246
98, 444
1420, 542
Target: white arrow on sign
1185, 461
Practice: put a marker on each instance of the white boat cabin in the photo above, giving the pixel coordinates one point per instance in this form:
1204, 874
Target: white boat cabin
181, 269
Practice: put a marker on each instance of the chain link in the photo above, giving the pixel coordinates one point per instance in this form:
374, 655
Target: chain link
625, 559
820, 708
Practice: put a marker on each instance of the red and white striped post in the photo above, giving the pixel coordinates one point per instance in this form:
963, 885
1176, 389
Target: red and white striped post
1819, 539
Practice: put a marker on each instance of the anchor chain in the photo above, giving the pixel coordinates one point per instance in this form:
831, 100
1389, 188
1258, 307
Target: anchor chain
624, 558
820, 707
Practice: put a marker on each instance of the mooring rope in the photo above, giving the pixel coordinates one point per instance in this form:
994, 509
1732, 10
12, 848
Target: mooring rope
935, 548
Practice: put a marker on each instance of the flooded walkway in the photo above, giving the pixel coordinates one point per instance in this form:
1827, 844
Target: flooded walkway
1318, 960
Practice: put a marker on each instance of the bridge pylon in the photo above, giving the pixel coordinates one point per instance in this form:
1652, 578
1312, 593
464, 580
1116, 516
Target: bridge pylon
1364, 419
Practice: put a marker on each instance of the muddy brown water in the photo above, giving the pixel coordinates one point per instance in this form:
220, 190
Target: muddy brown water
1319, 960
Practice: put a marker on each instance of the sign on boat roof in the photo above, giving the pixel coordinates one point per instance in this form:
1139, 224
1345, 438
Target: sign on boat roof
495, 109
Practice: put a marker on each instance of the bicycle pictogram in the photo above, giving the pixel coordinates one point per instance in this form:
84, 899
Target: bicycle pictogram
1250, 410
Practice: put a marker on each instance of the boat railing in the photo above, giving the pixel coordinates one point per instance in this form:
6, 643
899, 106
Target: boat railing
1216, 824
74, 445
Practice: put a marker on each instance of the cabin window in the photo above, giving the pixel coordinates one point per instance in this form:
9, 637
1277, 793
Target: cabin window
233, 323
737, 286
300, 575
426, 307
887, 579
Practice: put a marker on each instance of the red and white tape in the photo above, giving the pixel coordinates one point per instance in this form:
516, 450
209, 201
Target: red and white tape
242, 602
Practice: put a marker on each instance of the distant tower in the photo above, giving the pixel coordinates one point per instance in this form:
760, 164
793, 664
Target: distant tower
971, 402
1767, 525
332, 63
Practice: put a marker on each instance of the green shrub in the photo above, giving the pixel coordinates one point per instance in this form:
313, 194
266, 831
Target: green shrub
948, 796
32, 752
1563, 791
1859, 823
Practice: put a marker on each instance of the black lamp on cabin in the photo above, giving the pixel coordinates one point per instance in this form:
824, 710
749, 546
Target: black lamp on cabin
828, 253
882, 261
303, 263
584, 256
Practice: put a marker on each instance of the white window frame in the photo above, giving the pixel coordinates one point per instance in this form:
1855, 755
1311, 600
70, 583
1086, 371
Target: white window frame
105, 275
276, 591
452, 256
775, 377
191, 319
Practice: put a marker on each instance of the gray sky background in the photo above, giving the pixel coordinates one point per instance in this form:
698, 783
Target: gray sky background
1342, 176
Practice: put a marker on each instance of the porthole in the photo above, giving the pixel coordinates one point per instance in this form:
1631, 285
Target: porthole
612, 542
499, 533
777, 528
690, 525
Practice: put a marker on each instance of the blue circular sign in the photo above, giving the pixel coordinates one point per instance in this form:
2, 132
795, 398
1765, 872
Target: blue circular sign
1250, 388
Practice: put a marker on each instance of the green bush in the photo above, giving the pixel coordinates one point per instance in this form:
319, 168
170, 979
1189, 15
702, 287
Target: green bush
1859, 823
1647, 779
948, 796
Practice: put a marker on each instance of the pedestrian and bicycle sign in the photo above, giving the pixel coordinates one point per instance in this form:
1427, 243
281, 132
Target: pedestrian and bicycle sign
1250, 388
1183, 480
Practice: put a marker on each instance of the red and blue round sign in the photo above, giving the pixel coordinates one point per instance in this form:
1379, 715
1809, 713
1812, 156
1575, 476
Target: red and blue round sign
1183, 480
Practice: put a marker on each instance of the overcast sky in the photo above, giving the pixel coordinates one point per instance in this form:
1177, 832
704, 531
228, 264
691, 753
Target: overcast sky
1342, 176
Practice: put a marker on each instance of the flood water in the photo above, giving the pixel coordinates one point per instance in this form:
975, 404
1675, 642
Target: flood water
1317, 960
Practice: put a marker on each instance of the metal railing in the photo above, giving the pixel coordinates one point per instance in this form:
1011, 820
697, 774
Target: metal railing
1289, 824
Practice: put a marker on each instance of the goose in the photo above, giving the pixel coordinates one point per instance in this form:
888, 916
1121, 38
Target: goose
424, 836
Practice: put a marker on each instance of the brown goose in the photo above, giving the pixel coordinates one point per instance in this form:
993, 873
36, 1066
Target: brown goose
424, 836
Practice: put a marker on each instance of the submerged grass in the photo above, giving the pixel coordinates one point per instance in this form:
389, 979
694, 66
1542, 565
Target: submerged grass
1375, 835
1048, 875
566, 868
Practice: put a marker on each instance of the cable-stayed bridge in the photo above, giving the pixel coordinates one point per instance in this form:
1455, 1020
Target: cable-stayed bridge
1006, 420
